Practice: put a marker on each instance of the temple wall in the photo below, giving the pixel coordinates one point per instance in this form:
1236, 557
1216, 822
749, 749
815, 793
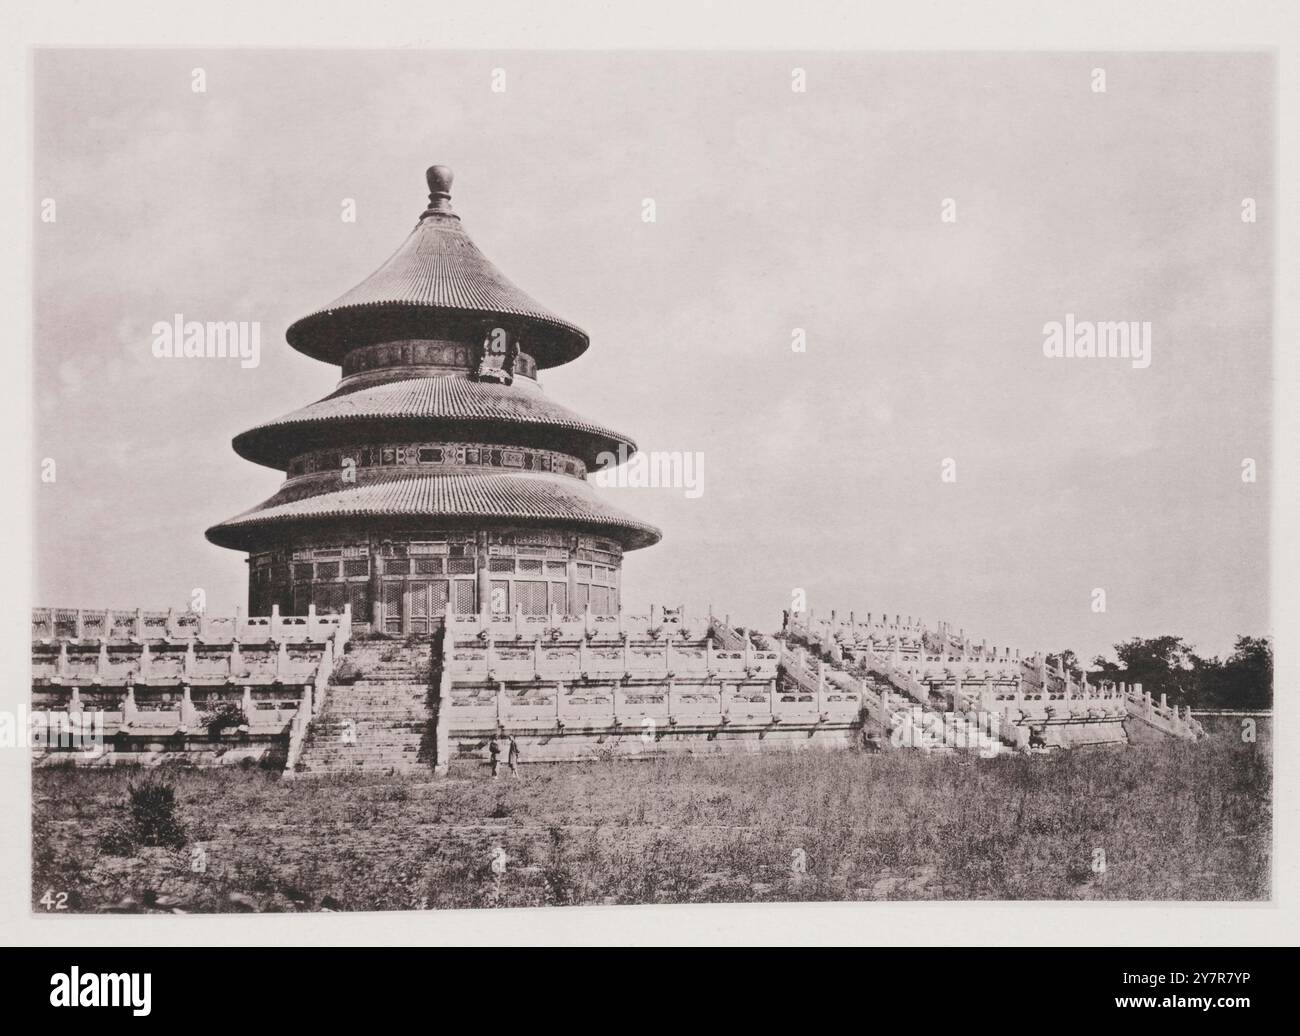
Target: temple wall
401, 582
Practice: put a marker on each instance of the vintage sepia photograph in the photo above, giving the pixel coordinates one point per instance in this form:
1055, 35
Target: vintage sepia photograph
548, 478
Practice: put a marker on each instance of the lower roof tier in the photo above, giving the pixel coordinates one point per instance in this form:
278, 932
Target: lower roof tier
428, 406
508, 497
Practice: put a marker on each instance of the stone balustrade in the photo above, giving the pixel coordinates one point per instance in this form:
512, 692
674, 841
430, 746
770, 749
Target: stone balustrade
659, 623
626, 659
81, 625
160, 689
555, 706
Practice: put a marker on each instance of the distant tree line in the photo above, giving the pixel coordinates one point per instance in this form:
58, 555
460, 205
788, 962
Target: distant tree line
1169, 665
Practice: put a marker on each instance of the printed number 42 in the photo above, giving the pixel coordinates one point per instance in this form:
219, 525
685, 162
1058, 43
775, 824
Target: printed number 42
52, 902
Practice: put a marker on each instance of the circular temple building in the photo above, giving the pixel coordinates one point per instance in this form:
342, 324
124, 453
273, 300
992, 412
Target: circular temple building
436, 472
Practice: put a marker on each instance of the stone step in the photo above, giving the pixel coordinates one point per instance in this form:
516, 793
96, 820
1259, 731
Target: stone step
387, 714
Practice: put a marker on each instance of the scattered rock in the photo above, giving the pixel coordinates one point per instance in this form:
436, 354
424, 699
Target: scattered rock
241, 902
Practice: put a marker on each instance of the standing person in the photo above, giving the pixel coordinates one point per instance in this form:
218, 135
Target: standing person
512, 757
494, 750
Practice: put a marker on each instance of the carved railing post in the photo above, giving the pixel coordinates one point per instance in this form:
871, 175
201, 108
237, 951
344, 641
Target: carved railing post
442, 727
189, 715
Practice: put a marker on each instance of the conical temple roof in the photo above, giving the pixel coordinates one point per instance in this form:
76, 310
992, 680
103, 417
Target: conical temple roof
527, 498
436, 274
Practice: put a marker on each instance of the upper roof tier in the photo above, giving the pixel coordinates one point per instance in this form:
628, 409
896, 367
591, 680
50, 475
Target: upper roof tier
436, 279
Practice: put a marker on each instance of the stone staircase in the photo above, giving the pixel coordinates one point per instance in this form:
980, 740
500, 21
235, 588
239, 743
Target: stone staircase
912, 720
382, 723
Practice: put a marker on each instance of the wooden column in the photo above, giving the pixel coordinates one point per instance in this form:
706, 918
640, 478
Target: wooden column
376, 614
483, 584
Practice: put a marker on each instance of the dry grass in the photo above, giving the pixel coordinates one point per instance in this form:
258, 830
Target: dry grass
1175, 821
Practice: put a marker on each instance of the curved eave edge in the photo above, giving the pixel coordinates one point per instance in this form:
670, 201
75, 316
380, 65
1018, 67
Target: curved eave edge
258, 444
317, 337
248, 534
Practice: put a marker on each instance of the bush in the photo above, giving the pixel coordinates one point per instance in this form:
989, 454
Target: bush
347, 673
223, 717
150, 820
153, 814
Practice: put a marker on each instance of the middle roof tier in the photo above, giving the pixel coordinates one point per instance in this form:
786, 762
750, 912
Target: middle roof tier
445, 406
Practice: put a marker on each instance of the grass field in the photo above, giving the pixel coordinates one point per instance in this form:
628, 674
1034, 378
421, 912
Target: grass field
1173, 820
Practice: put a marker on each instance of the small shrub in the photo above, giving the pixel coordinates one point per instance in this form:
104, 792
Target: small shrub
153, 814
225, 716
347, 673
150, 820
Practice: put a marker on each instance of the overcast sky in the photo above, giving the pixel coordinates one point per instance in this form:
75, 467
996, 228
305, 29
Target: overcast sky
775, 210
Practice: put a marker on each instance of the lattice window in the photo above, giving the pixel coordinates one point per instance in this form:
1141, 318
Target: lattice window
501, 564
438, 597
460, 566
428, 566
359, 598
560, 598
465, 603
530, 596
419, 600
302, 573
327, 570
356, 567
329, 598
392, 607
